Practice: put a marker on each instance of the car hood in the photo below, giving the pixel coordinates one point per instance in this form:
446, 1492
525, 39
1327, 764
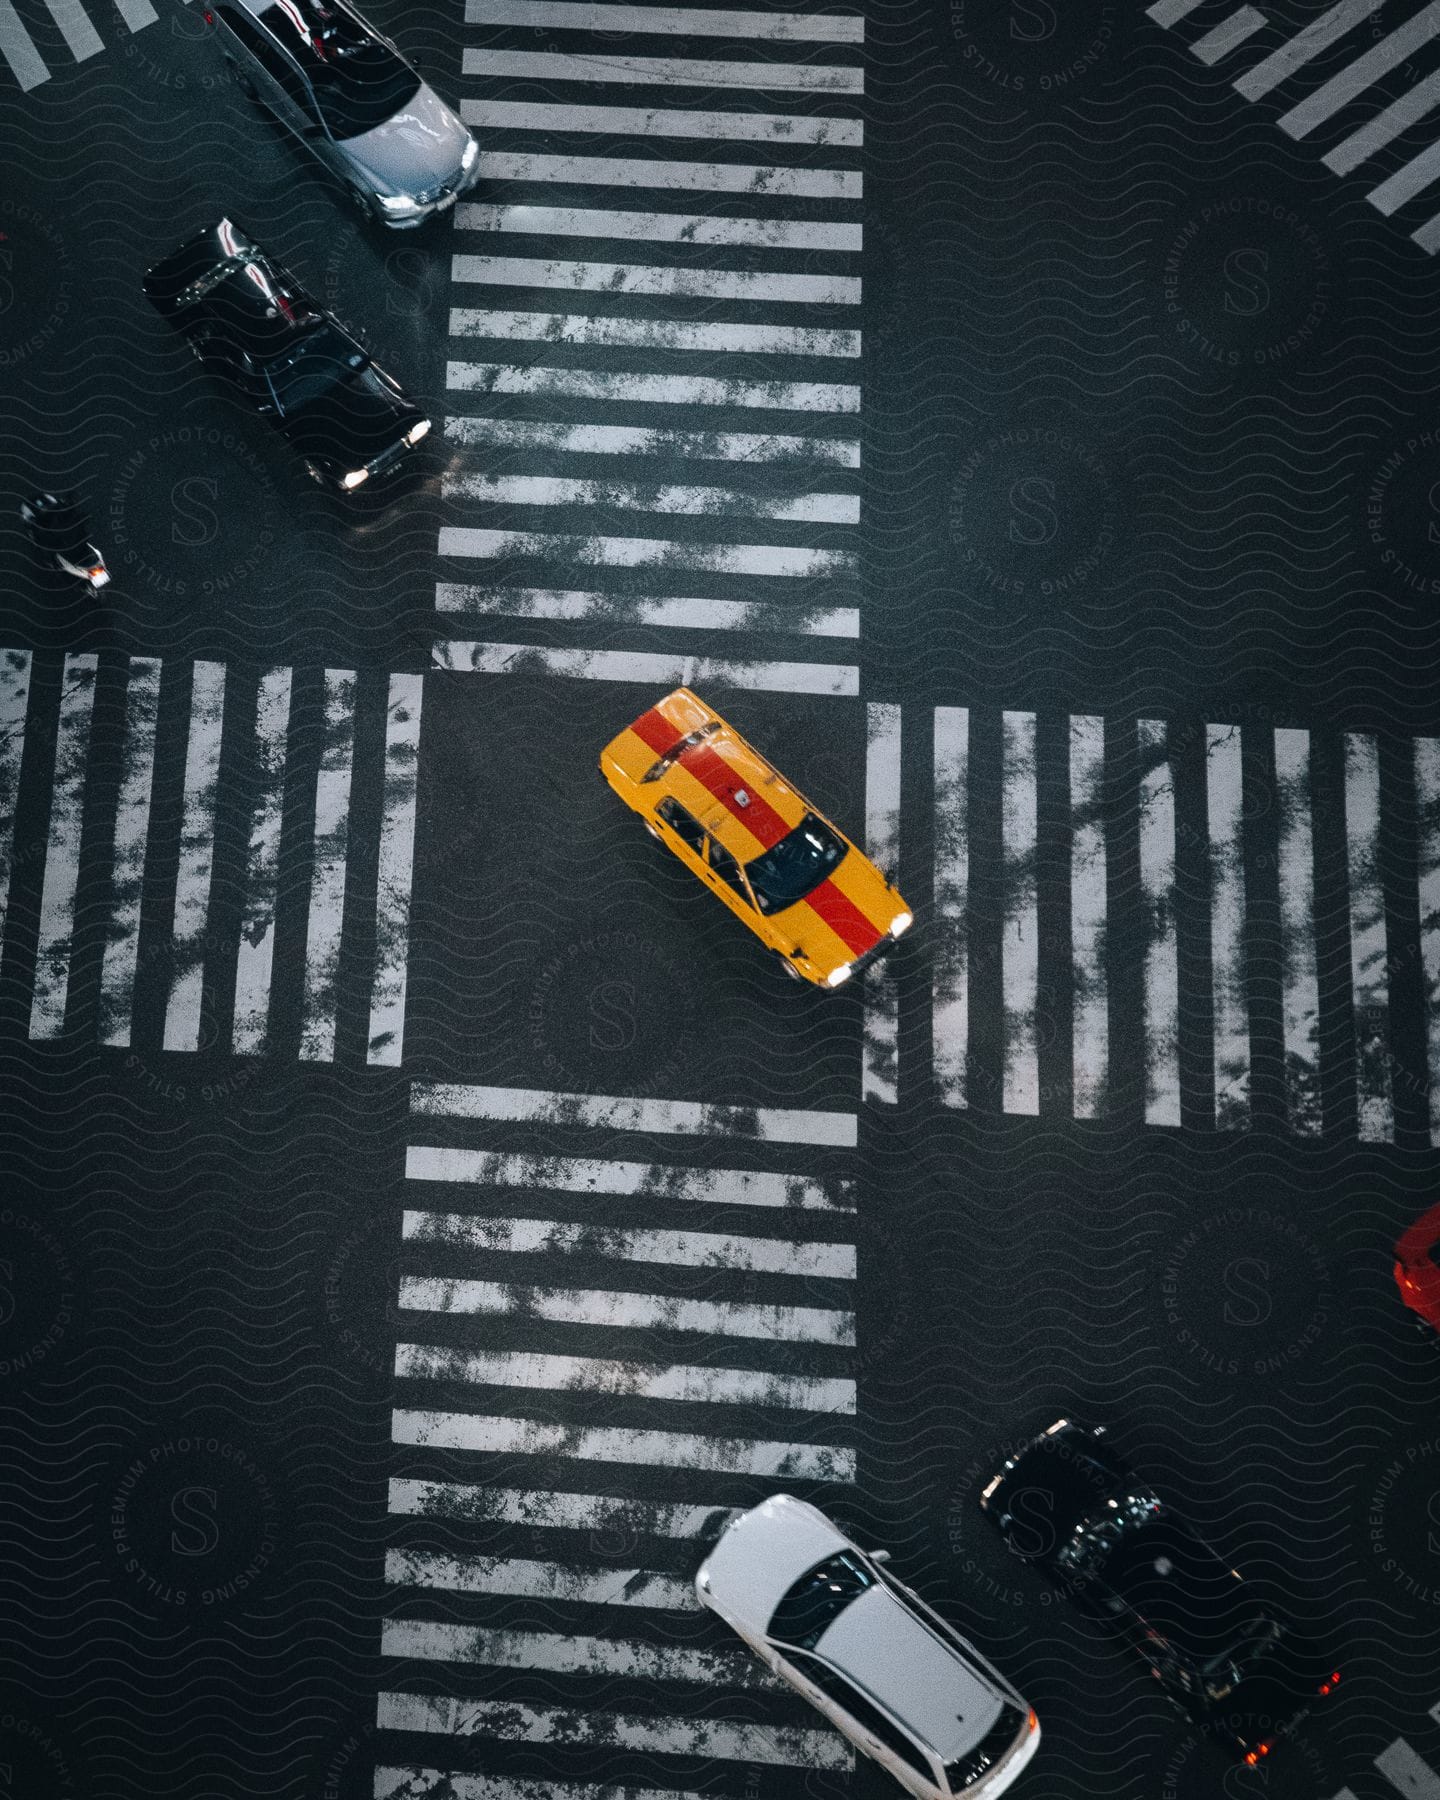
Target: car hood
352, 422
419, 149
761, 1553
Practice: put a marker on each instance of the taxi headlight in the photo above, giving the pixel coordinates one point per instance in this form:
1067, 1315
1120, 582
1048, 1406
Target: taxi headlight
837, 977
901, 923
354, 478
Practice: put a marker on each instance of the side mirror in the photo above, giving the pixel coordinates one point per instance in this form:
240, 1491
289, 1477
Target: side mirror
880, 1556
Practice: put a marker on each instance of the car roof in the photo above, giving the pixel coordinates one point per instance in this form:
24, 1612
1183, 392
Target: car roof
1417, 1239
927, 1683
222, 274
745, 772
760, 1554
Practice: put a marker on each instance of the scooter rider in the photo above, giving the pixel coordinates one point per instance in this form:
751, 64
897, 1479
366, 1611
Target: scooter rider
61, 531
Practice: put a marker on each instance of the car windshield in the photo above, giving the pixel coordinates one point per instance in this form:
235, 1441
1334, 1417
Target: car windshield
987, 1752
814, 1602
358, 81
791, 869
1178, 1585
323, 360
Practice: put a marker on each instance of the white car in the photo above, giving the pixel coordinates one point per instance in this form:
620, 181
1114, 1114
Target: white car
866, 1650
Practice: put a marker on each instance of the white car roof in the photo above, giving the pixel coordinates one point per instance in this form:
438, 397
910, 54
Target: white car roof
762, 1552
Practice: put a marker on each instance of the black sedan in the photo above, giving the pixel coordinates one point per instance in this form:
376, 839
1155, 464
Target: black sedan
1068, 1503
250, 322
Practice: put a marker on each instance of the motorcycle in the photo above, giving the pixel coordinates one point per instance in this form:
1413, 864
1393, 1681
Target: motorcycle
60, 532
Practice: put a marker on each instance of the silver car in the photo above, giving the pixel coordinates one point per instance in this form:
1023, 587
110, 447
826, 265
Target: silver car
350, 97
866, 1650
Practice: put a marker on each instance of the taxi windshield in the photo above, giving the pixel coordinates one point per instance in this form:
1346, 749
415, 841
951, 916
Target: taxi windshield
794, 867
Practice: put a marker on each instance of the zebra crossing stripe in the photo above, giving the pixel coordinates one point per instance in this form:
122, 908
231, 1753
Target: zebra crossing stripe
197, 854
1369, 977
1407, 181
665, 71
1225, 816
1318, 108
120, 960
589, 1727
682, 21
62, 849
639, 1381
653, 334
256, 950
646, 667
657, 1449
652, 1181
629, 172
1427, 806
689, 1249
136, 13
950, 1006
562, 1582
14, 705
1385, 127
662, 280
1162, 963
1171, 12
327, 879
789, 560
1090, 1014
432, 1640
613, 1112
1300, 981
79, 34
17, 47
397, 858
445, 1784
880, 1030
657, 390
647, 609
1407, 1771
627, 496
1304, 47
628, 1311
644, 121
551, 1509
1020, 942
1228, 35
627, 440
664, 228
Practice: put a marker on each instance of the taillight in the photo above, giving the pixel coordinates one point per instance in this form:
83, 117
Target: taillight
1333, 1682
209, 18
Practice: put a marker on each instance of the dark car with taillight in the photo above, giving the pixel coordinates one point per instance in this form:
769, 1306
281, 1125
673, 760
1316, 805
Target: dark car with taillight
1417, 1268
1068, 1503
250, 322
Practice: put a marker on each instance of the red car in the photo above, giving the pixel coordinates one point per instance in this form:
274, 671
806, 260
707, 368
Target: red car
1417, 1267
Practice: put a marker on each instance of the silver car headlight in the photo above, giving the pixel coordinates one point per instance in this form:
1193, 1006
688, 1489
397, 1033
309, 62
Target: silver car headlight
467, 161
399, 206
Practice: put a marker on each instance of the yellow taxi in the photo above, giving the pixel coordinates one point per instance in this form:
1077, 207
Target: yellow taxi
779, 864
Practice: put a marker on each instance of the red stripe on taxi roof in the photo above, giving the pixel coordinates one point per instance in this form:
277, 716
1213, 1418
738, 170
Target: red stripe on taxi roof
844, 918
656, 731
758, 817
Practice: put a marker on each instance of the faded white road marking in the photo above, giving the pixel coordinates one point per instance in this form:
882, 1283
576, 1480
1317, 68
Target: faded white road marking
563, 1582
646, 609
658, 1449
1335, 95
62, 848
1407, 1771
678, 21
950, 1021
880, 1032
1020, 943
653, 334
628, 172
1375, 134
397, 859
555, 1510
644, 440
653, 390
1228, 35
689, 1249
640, 1381
197, 853
445, 1784
1170, 12
14, 703
1157, 890
775, 1125
645, 121
1300, 977
327, 881
1304, 47
79, 34
628, 1311
432, 1640
257, 926
17, 47
589, 1727
791, 560
1407, 181
652, 1181
661, 279
661, 228
1369, 973
1225, 806
665, 71
1427, 806
132, 832
632, 496
1090, 1002
136, 13
645, 666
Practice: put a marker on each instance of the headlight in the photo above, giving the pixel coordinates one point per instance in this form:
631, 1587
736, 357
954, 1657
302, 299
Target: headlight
354, 478
901, 923
399, 206
837, 977
416, 432
467, 161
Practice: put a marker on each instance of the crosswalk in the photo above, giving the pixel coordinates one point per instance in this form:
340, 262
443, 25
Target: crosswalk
601, 1357
1352, 105
79, 27
94, 846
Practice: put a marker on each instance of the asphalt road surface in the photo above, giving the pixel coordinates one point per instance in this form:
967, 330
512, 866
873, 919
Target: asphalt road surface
423, 1213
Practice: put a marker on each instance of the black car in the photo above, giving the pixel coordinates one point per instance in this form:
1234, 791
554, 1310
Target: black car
250, 322
1068, 1503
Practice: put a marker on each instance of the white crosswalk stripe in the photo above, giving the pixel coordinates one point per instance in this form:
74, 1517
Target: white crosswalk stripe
62, 854
637, 121
664, 228
685, 21
77, 28
762, 181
